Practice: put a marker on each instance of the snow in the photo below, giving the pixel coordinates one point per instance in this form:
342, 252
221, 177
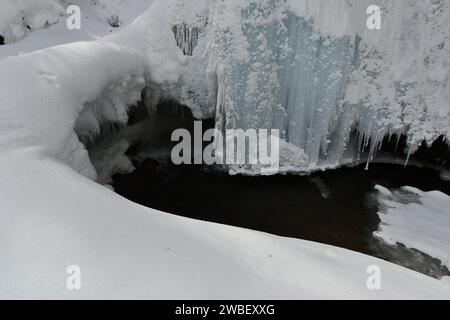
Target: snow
16, 17
94, 22
417, 219
52, 215
327, 75
62, 84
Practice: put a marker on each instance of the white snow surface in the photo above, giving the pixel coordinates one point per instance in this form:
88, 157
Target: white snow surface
417, 219
52, 216
18, 17
49, 27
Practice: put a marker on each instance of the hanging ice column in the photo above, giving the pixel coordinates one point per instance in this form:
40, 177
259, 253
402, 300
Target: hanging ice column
313, 77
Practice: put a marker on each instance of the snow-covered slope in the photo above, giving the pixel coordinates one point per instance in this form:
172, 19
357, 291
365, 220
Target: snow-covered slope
311, 69
52, 216
19, 17
28, 25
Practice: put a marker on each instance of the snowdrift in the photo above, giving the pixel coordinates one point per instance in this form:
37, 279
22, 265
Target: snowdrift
17, 18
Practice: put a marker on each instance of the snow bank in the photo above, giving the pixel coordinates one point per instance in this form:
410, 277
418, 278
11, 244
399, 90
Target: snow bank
96, 21
18, 17
51, 218
125, 10
417, 219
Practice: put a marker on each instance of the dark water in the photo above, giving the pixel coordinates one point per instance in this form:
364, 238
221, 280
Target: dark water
333, 207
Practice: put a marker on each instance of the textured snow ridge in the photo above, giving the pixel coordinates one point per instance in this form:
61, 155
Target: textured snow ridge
419, 220
18, 17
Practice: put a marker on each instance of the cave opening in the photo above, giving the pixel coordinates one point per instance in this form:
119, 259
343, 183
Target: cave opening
118, 148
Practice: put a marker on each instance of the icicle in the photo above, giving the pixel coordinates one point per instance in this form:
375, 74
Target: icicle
186, 38
370, 157
151, 96
411, 150
399, 136
407, 157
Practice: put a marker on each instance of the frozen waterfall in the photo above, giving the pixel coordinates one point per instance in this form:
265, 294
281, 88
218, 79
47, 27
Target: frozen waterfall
332, 88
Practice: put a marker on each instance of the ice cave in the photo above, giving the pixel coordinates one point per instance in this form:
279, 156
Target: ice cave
86, 149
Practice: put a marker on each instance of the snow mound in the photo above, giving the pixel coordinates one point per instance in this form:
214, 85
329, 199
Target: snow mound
71, 88
19, 17
419, 220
